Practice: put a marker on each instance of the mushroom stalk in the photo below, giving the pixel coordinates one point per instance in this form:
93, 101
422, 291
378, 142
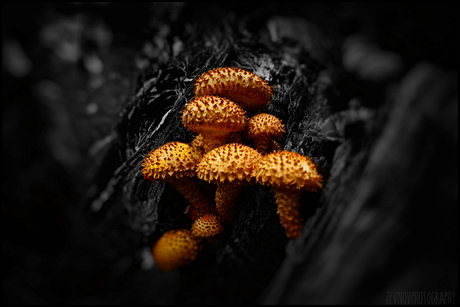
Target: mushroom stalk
262, 144
193, 192
226, 195
288, 208
289, 173
213, 140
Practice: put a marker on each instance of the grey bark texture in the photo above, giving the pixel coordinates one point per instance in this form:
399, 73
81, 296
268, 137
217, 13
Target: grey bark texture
370, 92
388, 209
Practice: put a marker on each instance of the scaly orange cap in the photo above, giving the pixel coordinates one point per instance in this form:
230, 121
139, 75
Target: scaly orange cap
249, 90
207, 226
176, 248
215, 118
171, 160
262, 128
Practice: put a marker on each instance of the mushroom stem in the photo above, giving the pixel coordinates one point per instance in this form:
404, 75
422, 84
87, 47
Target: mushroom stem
274, 146
262, 144
213, 140
193, 192
288, 203
226, 195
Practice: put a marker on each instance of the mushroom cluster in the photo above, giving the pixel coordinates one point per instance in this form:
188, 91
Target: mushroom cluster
229, 151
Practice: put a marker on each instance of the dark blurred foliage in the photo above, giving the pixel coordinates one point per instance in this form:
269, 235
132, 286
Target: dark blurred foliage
68, 70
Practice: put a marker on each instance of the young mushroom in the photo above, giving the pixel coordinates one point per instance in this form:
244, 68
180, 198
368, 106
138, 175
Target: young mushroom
214, 118
262, 128
176, 248
230, 167
249, 90
175, 162
288, 173
207, 226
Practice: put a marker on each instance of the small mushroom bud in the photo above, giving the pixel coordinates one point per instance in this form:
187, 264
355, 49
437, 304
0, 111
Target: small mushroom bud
207, 226
175, 249
262, 128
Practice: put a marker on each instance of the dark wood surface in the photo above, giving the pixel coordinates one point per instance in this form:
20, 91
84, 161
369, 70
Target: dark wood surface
378, 115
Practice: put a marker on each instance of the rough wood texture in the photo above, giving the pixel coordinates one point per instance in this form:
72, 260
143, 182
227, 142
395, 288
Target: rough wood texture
382, 125
388, 215
368, 232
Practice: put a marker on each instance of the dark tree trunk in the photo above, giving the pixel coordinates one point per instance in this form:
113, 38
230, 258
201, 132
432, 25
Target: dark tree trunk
388, 208
381, 127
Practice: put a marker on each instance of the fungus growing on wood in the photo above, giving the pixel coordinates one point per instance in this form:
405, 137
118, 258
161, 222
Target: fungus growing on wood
176, 248
249, 90
214, 118
207, 226
230, 167
288, 173
262, 128
175, 162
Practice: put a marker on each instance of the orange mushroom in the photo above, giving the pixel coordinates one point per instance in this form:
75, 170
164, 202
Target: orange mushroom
230, 167
249, 90
288, 173
207, 226
214, 118
262, 128
175, 249
175, 162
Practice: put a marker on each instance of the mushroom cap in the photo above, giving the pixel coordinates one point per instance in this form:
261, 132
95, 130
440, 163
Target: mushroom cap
213, 114
286, 169
171, 160
227, 163
206, 226
176, 248
239, 85
264, 124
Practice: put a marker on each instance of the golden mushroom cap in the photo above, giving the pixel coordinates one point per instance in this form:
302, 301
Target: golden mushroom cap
213, 114
206, 226
176, 248
171, 160
227, 163
286, 169
264, 124
239, 85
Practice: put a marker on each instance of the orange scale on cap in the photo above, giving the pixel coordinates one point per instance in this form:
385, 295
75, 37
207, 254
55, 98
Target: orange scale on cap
249, 90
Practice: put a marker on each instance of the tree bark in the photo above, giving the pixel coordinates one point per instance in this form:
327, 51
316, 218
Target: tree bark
387, 215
